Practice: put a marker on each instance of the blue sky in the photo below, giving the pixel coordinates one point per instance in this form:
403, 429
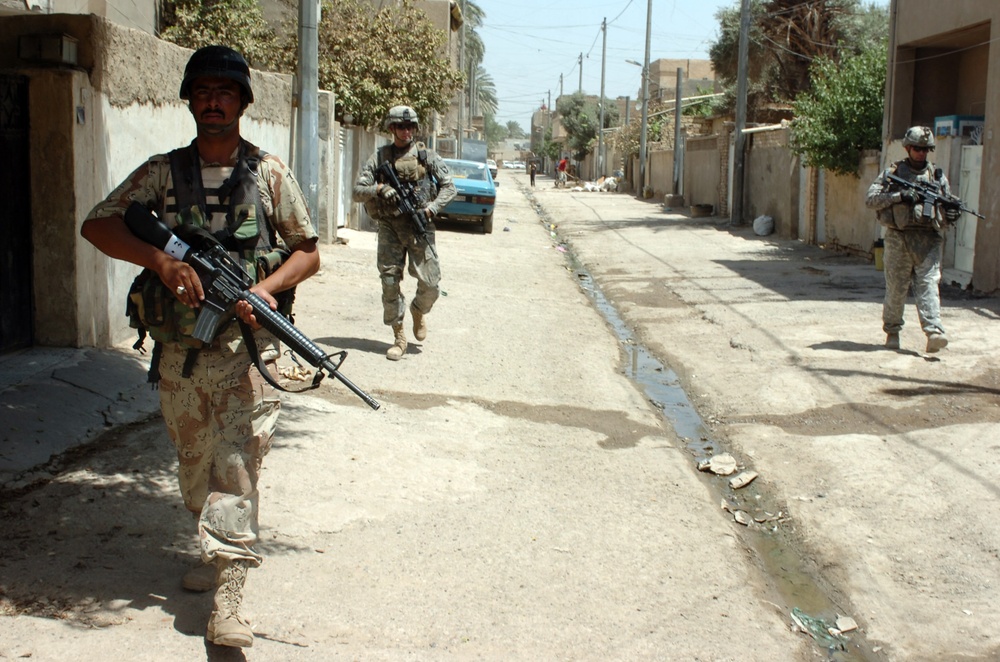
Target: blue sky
529, 43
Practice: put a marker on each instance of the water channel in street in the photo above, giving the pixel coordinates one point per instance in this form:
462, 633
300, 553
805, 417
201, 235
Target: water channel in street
807, 601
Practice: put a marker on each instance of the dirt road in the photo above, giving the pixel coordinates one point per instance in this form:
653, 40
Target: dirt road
518, 497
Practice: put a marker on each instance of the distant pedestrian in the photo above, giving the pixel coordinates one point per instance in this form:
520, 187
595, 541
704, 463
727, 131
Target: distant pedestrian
913, 242
561, 172
397, 240
532, 169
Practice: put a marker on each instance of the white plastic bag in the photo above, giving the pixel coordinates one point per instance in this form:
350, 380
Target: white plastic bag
763, 226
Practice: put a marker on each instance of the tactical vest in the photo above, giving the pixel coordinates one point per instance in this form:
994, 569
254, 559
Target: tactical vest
902, 216
411, 168
151, 307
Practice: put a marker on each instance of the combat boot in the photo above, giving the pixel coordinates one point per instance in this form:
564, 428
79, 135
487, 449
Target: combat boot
398, 348
226, 626
935, 342
419, 324
892, 340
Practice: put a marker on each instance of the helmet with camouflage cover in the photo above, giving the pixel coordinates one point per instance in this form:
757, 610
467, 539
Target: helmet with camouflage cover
399, 115
919, 136
217, 61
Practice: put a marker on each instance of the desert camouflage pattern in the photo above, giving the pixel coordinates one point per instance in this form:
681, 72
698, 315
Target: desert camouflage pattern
221, 421
282, 199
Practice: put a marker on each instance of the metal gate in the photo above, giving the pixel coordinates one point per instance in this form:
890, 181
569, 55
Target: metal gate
15, 216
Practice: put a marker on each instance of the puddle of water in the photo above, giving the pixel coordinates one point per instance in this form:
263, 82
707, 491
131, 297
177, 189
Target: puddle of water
781, 562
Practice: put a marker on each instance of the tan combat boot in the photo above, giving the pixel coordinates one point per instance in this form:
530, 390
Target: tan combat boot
892, 340
226, 626
398, 348
419, 324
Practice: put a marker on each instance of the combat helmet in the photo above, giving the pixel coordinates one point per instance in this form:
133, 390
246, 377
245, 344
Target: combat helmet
920, 136
400, 114
218, 61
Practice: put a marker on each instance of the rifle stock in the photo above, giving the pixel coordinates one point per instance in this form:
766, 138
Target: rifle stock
225, 282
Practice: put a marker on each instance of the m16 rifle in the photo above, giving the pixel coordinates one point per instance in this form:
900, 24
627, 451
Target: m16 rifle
928, 195
406, 202
225, 282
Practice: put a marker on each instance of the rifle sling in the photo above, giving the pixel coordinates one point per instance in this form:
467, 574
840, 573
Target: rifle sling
251, 343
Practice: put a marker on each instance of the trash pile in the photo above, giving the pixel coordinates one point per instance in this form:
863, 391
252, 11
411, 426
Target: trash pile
602, 184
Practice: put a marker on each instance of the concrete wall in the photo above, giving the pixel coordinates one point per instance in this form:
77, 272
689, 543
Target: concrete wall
702, 174
772, 181
848, 223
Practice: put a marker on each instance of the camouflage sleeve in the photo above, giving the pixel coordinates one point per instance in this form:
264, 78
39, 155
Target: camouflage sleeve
364, 186
284, 203
446, 187
879, 194
147, 184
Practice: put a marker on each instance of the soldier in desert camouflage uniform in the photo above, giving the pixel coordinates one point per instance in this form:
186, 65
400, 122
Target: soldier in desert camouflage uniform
913, 242
219, 411
414, 163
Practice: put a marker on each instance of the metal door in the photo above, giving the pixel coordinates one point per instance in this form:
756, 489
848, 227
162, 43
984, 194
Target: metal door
965, 229
15, 216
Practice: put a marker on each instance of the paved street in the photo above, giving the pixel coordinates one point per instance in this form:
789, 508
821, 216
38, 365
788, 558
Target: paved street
519, 497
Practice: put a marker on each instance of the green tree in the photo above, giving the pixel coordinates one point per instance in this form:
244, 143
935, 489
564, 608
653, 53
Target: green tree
496, 133
238, 24
580, 116
786, 36
375, 60
372, 60
514, 130
842, 114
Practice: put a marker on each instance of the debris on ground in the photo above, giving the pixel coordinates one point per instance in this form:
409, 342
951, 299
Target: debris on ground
720, 465
742, 480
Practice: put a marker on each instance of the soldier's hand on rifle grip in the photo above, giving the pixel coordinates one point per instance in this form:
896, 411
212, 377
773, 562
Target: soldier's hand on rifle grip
952, 214
388, 193
906, 196
183, 281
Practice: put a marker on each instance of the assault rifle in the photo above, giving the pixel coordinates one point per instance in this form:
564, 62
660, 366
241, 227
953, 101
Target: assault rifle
225, 282
407, 204
929, 196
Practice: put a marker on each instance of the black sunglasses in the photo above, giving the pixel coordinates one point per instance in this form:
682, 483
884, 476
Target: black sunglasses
917, 148
406, 125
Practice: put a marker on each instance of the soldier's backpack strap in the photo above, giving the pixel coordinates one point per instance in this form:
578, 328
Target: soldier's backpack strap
185, 171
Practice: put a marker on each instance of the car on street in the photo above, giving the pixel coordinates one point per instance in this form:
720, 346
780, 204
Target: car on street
492, 165
477, 194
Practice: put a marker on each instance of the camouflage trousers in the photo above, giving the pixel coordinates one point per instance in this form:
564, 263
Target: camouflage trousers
912, 260
221, 421
396, 243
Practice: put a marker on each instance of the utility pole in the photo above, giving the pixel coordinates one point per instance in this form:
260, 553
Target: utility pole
560, 90
307, 84
600, 124
645, 103
581, 73
461, 92
678, 150
736, 213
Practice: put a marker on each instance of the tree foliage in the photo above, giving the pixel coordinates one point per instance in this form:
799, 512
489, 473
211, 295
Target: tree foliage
514, 130
580, 116
238, 24
842, 114
786, 36
372, 60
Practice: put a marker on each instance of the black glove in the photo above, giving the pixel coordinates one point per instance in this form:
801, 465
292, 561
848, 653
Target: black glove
951, 214
906, 196
388, 193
